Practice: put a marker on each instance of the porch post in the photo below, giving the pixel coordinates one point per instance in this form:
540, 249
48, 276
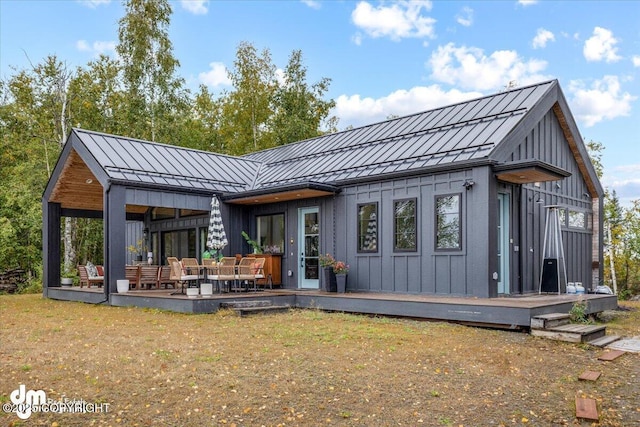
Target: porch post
50, 245
115, 227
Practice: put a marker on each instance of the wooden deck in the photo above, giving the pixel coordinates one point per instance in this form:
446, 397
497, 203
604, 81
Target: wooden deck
507, 312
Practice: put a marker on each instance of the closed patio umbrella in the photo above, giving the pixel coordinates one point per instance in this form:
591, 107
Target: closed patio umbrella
216, 237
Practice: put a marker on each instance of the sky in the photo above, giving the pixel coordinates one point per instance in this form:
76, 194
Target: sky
385, 58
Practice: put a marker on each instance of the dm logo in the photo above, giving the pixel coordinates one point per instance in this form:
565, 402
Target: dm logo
25, 400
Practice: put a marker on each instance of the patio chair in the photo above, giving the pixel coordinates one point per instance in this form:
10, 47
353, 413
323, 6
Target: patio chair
85, 279
164, 277
179, 277
250, 270
132, 274
148, 276
191, 266
226, 277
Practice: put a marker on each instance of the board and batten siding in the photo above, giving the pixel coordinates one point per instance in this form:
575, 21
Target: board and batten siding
546, 141
427, 270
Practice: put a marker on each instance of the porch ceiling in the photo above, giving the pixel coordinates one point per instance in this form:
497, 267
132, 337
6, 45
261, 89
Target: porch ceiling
282, 196
529, 172
78, 188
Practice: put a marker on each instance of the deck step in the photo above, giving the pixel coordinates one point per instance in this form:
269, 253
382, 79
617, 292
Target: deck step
604, 341
572, 333
246, 311
246, 304
551, 320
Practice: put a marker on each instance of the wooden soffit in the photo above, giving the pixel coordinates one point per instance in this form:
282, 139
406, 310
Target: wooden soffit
281, 194
529, 172
78, 189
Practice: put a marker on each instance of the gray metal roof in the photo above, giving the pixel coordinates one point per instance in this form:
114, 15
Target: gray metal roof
459, 134
137, 161
464, 132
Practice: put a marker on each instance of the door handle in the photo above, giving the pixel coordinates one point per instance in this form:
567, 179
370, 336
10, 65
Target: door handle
301, 259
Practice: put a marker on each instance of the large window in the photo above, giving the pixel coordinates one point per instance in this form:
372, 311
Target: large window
404, 225
368, 227
271, 233
448, 229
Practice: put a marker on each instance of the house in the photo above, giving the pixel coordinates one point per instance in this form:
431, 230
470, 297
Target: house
450, 201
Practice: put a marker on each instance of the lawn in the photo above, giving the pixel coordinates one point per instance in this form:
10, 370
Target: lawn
301, 368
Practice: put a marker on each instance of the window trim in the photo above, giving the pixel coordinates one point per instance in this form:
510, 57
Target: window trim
284, 229
377, 212
415, 224
435, 223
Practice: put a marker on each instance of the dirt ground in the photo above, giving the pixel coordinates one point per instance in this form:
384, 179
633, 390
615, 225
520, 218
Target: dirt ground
302, 368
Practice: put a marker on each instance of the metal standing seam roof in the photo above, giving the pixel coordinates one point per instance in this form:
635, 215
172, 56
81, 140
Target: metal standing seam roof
463, 132
145, 162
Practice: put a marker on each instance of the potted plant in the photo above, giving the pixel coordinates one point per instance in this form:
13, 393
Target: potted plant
140, 248
341, 270
67, 278
329, 278
255, 245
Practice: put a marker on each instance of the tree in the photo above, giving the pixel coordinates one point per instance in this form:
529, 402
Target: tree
299, 109
247, 109
154, 95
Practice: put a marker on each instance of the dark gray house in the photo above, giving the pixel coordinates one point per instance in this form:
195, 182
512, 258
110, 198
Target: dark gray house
450, 201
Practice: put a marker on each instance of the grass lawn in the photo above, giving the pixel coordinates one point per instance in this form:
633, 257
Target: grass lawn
302, 368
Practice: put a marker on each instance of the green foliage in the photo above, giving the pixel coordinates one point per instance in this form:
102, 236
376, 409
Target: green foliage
138, 95
578, 312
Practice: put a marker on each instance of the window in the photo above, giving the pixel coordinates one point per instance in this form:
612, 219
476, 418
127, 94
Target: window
368, 227
404, 225
270, 230
576, 219
448, 230
163, 213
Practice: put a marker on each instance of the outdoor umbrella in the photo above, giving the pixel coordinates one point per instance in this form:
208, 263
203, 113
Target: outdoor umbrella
216, 237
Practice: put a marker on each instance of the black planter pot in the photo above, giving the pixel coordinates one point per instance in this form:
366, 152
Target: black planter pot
328, 280
341, 282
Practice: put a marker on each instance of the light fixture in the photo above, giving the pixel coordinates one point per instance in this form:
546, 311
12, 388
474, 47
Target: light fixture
586, 195
88, 181
468, 184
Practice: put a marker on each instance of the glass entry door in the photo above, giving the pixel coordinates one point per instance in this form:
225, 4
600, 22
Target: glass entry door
309, 248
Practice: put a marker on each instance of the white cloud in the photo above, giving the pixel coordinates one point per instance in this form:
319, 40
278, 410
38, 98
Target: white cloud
636, 60
542, 38
96, 48
356, 111
465, 17
470, 68
93, 3
603, 100
625, 180
197, 7
399, 20
526, 3
216, 76
601, 46
313, 4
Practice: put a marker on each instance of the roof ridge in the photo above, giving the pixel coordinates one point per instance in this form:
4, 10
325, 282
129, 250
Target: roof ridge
514, 89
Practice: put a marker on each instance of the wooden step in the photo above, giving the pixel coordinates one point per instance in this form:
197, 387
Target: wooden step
246, 311
604, 341
572, 332
246, 304
546, 321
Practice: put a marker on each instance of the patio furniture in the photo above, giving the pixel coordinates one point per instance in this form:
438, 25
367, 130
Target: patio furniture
180, 277
132, 274
226, 276
250, 270
164, 277
85, 279
148, 276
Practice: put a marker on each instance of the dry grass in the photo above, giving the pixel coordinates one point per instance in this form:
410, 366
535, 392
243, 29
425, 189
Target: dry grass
305, 367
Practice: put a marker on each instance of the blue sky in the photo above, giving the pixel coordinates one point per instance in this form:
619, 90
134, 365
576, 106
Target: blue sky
386, 58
